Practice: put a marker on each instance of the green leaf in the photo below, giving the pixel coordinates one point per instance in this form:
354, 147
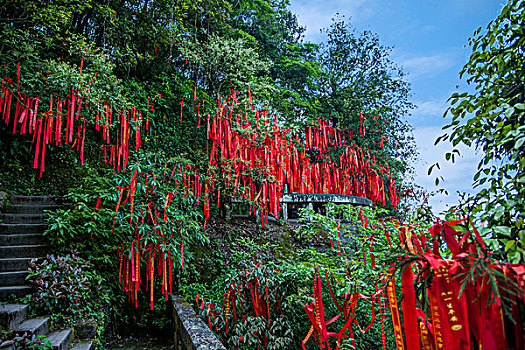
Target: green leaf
519, 222
440, 138
502, 230
432, 168
519, 143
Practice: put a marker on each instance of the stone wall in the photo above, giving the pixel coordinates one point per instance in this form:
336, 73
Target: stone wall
190, 332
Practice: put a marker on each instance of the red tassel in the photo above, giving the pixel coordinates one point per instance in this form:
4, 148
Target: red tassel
71, 118
181, 105
35, 162
409, 309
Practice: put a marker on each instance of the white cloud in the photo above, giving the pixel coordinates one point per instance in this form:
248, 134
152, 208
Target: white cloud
317, 14
427, 66
428, 113
457, 176
432, 108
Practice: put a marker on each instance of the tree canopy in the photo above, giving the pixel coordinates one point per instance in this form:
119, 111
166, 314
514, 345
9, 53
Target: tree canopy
142, 49
492, 119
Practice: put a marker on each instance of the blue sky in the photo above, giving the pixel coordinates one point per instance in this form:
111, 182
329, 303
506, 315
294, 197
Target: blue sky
430, 41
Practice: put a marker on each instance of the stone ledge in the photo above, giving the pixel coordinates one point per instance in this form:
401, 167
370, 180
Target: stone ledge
190, 331
324, 198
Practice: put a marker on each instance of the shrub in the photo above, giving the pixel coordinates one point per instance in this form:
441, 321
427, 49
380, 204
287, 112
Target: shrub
68, 288
27, 341
90, 223
339, 244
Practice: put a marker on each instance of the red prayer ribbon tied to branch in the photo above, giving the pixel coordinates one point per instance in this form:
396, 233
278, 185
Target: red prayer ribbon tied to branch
258, 158
152, 208
65, 120
317, 316
456, 320
248, 295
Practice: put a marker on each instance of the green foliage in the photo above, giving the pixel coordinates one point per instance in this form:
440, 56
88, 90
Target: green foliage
140, 49
28, 341
288, 275
252, 331
99, 232
227, 64
68, 288
358, 75
81, 218
278, 333
492, 118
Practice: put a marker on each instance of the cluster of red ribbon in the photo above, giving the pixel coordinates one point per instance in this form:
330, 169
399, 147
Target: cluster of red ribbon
257, 158
130, 269
65, 120
256, 164
248, 295
457, 318
152, 209
315, 310
317, 316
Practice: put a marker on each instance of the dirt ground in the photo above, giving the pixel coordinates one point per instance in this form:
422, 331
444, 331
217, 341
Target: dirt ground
138, 344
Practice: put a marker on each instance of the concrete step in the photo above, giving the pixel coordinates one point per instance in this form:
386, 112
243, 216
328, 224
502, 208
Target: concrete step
22, 228
13, 278
82, 346
35, 200
17, 291
14, 264
28, 209
12, 315
23, 251
85, 330
36, 326
23, 218
21, 239
60, 339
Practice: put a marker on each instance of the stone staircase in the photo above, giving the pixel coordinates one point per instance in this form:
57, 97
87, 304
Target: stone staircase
13, 318
22, 224
21, 239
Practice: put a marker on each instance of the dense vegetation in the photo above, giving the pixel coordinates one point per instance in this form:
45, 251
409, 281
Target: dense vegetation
176, 63
142, 49
157, 56
491, 118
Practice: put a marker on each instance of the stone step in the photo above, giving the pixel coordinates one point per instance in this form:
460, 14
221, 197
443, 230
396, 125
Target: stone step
28, 209
36, 326
21, 239
23, 251
85, 330
22, 228
12, 315
60, 339
23, 218
13, 278
14, 264
82, 346
17, 291
35, 200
